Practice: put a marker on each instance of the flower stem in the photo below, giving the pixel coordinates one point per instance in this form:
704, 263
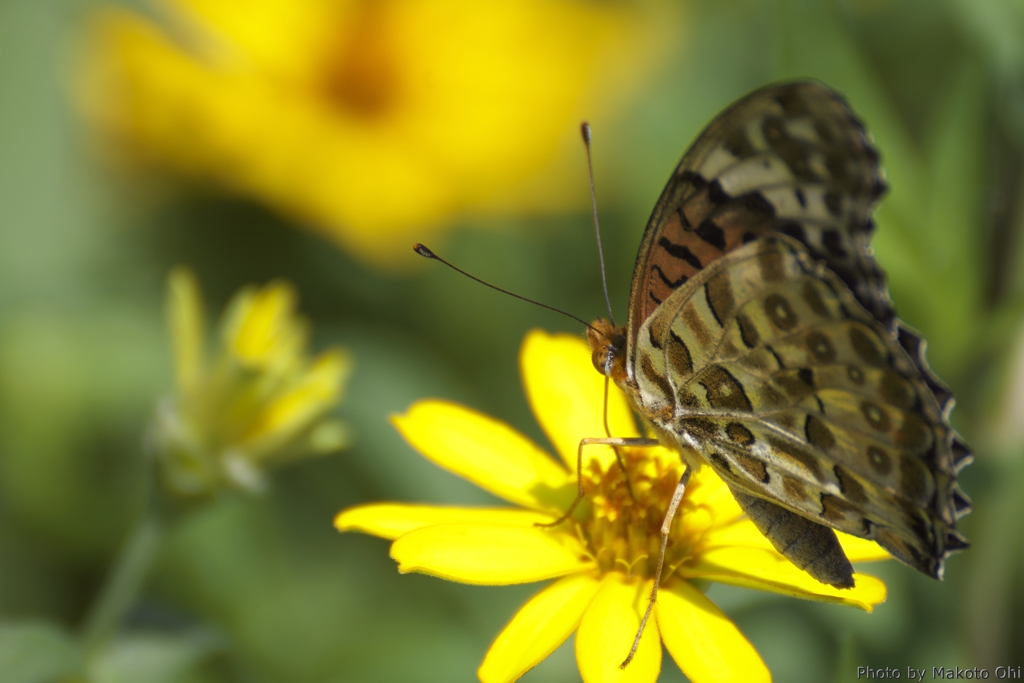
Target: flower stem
130, 570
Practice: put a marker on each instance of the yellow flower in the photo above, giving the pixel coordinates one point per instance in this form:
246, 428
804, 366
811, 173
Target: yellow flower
603, 558
374, 120
259, 401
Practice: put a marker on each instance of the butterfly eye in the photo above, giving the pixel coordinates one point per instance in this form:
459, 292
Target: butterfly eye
607, 344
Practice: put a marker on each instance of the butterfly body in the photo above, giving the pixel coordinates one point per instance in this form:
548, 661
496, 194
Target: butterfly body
761, 340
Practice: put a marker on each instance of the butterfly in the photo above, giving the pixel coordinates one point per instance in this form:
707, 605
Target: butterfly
761, 340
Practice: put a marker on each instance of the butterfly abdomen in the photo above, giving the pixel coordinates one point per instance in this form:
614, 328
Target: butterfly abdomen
810, 546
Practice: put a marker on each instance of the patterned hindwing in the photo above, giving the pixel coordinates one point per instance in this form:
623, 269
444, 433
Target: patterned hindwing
795, 393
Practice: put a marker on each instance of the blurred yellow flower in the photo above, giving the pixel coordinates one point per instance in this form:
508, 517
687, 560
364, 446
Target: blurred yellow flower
260, 401
374, 120
603, 558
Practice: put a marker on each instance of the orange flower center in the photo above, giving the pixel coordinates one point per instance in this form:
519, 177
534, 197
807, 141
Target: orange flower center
623, 529
361, 76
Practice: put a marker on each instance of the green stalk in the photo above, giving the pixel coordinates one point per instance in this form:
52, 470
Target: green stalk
129, 572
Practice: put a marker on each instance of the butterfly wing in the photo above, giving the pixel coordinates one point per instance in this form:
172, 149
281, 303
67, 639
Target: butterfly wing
794, 393
791, 159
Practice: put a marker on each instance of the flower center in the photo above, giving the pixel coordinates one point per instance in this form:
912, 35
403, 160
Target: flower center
361, 76
623, 529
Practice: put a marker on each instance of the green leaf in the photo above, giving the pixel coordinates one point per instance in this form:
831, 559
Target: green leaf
152, 657
36, 652
933, 242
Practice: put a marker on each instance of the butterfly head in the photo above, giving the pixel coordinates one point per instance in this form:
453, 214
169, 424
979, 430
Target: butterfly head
608, 349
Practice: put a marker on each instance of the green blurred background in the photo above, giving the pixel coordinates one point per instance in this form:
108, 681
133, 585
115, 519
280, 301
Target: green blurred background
262, 588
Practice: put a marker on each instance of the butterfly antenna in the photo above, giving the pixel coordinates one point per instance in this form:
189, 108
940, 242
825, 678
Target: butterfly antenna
585, 130
425, 252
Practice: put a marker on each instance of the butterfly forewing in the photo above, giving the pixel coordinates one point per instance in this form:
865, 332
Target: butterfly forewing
790, 159
793, 159
795, 393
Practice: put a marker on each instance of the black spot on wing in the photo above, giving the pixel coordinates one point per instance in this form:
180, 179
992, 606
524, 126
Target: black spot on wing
739, 434
738, 144
718, 293
748, 333
800, 197
879, 460
818, 433
813, 298
780, 312
653, 338
724, 392
849, 486
865, 347
833, 243
709, 231
716, 195
820, 346
692, 178
652, 375
875, 415
719, 462
756, 203
794, 230
788, 97
679, 355
834, 203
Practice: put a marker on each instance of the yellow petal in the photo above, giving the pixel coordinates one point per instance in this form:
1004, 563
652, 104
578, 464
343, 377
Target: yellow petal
707, 508
538, 628
707, 488
489, 554
330, 110
567, 395
767, 570
293, 410
706, 645
489, 453
861, 549
261, 328
185, 317
607, 631
391, 520
740, 533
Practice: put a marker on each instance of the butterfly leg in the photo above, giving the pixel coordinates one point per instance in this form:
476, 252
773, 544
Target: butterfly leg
608, 433
603, 441
666, 527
